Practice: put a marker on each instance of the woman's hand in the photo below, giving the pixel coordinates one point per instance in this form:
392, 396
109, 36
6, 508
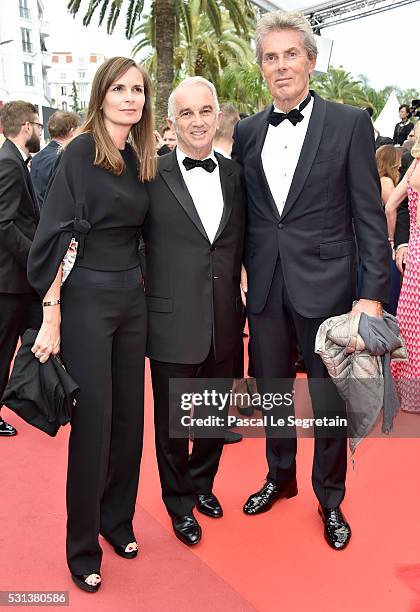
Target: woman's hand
48, 339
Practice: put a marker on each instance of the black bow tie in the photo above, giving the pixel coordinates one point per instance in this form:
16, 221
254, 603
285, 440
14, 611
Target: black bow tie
294, 116
208, 164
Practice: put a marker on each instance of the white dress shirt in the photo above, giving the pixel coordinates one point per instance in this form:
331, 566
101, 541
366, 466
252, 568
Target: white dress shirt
281, 151
24, 155
206, 193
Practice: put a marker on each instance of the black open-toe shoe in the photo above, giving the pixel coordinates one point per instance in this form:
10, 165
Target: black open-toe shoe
120, 548
80, 581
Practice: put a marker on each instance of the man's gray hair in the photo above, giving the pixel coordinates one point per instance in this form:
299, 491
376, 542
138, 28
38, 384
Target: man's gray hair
284, 20
191, 81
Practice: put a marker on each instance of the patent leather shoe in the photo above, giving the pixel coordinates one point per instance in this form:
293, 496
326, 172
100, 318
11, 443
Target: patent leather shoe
187, 529
337, 531
6, 429
80, 581
262, 500
209, 505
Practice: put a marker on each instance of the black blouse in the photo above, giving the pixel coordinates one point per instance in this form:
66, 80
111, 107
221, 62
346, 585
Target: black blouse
104, 212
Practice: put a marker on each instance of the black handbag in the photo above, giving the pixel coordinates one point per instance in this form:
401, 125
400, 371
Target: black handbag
43, 394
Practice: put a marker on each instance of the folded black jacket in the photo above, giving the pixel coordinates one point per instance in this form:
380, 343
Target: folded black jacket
43, 394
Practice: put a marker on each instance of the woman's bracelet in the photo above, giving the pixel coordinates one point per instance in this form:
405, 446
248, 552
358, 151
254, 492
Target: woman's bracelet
51, 303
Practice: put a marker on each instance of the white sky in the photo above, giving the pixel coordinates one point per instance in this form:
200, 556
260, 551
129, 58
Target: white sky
384, 47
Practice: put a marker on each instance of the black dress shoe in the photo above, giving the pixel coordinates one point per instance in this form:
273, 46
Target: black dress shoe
336, 529
231, 437
6, 429
187, 529
209, 505
80, 581
262, 500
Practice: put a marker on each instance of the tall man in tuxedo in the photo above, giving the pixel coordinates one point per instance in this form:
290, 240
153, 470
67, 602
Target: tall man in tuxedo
312, 189
194, 242
19, 214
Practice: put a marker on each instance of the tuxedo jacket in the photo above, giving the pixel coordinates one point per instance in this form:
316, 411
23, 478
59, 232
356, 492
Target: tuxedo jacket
334, 201
42, 167
18, 219
192, 285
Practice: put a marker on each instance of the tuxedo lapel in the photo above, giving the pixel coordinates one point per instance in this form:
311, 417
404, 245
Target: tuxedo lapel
227, 191
171, 174
259, 144
307, 154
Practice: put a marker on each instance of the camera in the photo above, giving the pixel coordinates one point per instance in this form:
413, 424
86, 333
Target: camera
415, 108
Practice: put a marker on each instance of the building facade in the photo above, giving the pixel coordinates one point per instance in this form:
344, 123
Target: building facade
24, 59
69, 72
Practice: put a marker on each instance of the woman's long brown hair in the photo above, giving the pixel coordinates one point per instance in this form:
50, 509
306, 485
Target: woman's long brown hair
388, 161
141, 135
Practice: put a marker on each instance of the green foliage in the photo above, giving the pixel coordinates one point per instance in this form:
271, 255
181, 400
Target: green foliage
75, 98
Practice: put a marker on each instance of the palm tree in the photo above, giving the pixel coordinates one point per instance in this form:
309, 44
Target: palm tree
244, 87
198, 50
166, 15
340, 86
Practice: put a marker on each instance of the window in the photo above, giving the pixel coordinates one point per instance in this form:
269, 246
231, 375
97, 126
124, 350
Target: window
28, 74
82, 87
82, 75
63, 75
64, 90
27, 46
64, 106
23, 9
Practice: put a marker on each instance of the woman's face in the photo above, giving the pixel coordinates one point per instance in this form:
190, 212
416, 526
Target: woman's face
124, 101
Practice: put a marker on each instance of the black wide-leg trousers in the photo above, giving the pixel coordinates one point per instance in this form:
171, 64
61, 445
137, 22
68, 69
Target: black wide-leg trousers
182, 476
18, 312
275, 334
103, 334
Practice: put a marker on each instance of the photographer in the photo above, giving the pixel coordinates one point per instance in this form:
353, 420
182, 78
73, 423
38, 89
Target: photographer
404, 127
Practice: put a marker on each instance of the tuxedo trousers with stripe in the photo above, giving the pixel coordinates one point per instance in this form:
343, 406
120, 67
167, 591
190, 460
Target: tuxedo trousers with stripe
103, 332
275, 335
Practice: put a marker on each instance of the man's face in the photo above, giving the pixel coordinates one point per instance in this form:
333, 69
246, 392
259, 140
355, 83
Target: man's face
33, 142
196, 119
286, 67
169, 138
403, 114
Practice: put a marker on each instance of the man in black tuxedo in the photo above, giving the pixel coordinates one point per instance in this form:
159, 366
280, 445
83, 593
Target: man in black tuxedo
62, 126
194, 242
19, 214
312, 189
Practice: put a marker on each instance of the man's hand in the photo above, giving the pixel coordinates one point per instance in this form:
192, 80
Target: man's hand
400, 258
369, 307
244, 285
158, 139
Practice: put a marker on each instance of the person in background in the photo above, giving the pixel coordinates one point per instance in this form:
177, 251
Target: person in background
388, 161
223, 140
19, 215
403, 127
407, 373
166, 143
62, 127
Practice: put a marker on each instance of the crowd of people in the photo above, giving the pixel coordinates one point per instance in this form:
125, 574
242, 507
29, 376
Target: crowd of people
120, 243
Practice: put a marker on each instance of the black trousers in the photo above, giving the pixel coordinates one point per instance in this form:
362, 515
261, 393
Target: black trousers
18, 312
275, 334
182, 475
103, 334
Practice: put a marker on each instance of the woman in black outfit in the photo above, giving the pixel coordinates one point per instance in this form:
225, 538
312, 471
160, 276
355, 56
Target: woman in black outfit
96, 203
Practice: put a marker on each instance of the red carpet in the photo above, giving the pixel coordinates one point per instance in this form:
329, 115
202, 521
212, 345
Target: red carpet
276, 561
